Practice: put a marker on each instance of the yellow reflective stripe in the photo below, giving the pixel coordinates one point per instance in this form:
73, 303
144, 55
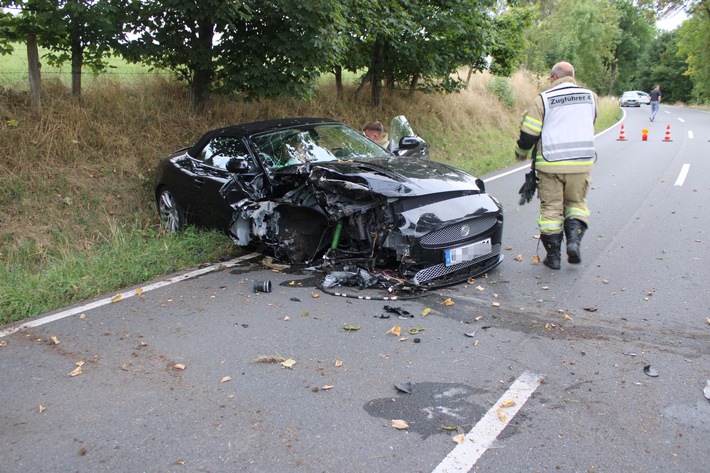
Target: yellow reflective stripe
531, 123
540, 161
576, 212
521, 152
550, 225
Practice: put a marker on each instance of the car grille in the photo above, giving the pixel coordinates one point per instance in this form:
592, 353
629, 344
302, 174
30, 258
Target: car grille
441, 269
451, 235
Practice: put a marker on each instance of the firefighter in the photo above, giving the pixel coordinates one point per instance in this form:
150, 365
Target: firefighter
559, 129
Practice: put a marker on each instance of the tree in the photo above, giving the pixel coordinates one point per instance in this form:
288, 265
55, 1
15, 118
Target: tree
510, 41
637, 31
421, 43
77, 31
583, 32
693, 40
664, 66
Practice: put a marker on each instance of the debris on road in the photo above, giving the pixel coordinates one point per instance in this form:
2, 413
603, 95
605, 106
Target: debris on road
650, 371
404, 387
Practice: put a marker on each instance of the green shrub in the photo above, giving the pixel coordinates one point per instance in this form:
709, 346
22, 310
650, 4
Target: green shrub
500, 88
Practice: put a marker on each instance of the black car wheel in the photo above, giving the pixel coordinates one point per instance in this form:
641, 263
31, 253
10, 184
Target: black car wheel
171, 216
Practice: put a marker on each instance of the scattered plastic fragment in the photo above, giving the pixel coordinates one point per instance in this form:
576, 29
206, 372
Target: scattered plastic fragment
706, 391
404, 387
650, 371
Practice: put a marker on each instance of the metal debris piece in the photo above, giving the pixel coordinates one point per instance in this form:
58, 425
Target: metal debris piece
399, 311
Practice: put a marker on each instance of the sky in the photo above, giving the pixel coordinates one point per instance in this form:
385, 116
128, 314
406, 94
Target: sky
672, 22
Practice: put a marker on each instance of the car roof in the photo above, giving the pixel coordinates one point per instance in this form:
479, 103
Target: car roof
251, 128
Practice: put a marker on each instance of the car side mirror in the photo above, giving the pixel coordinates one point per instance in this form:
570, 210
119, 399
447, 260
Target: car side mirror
237, 165
409, 142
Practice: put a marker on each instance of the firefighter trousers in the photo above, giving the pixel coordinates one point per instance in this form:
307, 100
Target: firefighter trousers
562, 196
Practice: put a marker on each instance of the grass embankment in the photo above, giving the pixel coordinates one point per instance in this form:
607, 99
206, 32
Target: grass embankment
77, 214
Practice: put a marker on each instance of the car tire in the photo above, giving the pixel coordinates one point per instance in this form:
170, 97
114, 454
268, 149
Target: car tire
172, 218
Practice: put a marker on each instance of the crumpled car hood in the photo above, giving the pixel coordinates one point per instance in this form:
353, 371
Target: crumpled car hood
391, 177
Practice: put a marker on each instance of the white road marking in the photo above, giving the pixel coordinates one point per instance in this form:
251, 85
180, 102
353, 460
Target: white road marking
125, 295
465, 455
681, 120
683, 174
690, 134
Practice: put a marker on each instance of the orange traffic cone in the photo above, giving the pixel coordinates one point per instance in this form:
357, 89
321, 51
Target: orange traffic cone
622, 134
668, 134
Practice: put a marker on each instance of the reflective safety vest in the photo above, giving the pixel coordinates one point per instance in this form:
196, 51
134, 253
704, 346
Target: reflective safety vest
567, 140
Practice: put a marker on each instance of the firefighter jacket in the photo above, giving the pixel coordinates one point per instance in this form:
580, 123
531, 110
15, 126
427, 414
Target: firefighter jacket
559, 128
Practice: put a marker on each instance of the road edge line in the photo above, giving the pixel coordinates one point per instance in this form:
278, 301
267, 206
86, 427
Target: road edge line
125, 295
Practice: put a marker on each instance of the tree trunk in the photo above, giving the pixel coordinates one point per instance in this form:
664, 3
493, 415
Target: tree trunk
468, 77
612, 79
365, 79
376, 69
77, 59
202, 74
413, 84
34, 71
339, 82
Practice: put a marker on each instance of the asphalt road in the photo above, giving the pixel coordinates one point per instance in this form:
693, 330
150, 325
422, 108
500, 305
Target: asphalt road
540, 370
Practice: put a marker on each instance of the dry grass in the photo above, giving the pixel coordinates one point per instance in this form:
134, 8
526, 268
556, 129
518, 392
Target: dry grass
69, 173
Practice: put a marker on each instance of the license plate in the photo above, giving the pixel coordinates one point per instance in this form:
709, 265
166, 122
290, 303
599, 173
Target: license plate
468, 252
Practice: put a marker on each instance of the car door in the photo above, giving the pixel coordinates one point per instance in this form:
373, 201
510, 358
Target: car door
207, 207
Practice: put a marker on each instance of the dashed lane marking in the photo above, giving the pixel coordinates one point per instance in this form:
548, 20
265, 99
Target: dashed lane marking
465, 455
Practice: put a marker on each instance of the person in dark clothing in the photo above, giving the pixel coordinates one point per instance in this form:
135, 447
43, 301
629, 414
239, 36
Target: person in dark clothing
655, 101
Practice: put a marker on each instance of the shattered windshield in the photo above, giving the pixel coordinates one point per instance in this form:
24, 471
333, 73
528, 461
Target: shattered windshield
313, 144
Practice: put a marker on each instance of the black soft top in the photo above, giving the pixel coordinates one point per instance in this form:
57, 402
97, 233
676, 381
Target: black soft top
245, 129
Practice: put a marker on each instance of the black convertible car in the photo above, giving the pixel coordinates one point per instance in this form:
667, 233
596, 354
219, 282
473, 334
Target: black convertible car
315, 191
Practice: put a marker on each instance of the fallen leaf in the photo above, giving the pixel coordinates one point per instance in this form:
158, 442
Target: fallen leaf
79, 363
287, 318
590, 309
399, 424
225, 379
76, 372
566, 317
478, 318
82, 316
4, 342
496, 304
508, 403
326, 388
545, 288
708, 319
292, 283
501, 415
449, 427
315, 295
508, 248
518, 258
350, 328
338, 363
42, 409
396, 330
536, 259
116, 298
480, 288
459, 438
605, 281
179, 366
426, 311
139, 291
448, 302
55, 340
288, 363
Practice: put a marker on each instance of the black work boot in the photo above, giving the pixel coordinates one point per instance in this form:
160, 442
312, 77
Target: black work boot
552, 244
574, 231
